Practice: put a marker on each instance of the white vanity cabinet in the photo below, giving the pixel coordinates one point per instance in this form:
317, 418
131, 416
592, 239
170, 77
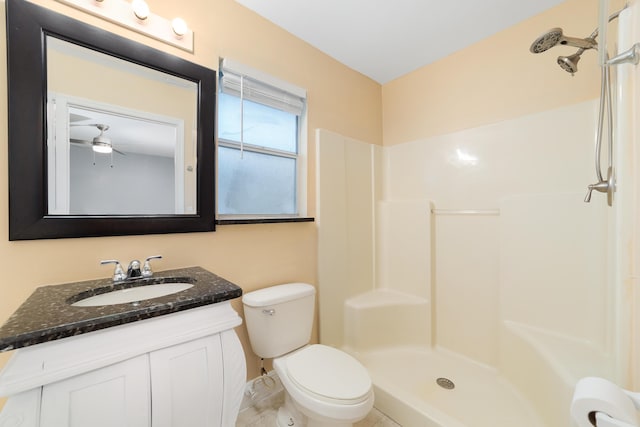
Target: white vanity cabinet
184, 369
187, 384
116, 395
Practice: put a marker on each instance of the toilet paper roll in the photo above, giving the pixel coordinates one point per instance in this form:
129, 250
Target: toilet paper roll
593, 395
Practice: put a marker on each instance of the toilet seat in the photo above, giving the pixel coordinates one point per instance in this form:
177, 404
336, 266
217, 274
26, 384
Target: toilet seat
329, 374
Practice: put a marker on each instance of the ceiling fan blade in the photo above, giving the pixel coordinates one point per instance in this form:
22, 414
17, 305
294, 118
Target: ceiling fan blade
73, 117
120, 152
80, 142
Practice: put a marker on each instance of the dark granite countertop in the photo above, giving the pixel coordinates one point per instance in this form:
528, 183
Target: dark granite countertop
47, 314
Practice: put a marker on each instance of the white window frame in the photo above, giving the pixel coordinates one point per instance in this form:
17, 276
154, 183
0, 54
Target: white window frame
263, 79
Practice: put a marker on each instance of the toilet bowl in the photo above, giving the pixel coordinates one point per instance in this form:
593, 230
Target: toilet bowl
324, 387
326, 384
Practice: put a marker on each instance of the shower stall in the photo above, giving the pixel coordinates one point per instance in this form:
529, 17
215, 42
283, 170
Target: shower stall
466, 272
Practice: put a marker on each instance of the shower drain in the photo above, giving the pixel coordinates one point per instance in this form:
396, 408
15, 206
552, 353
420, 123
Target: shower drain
445, 383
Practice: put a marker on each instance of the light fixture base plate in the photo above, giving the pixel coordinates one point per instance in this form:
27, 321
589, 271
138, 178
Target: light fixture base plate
119, 12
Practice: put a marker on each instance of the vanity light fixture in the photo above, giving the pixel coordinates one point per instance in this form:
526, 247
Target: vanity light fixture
136, 15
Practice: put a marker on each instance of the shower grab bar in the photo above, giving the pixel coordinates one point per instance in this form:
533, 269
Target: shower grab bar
480, 212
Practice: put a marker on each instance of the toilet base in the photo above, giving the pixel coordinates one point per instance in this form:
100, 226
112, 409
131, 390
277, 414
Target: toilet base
286, 419
316, 423
290, 416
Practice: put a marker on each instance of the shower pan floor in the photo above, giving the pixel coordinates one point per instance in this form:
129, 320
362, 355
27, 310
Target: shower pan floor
406, 387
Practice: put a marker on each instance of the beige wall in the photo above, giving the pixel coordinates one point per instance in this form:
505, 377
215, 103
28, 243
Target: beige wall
253, 256
494, 80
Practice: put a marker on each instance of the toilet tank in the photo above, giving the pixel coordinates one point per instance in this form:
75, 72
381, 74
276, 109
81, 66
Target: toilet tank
279, 318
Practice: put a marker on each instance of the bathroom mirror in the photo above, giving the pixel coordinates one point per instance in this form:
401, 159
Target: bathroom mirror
106, 136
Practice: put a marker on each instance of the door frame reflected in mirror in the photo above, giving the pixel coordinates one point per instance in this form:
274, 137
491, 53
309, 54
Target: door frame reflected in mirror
145, 147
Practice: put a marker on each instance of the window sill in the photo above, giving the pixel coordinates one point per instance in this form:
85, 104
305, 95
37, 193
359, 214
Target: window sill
271, 220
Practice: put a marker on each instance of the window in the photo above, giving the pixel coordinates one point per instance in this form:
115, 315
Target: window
260, 153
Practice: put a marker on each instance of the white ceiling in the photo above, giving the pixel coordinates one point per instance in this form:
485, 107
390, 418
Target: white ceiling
387, 39
127, 134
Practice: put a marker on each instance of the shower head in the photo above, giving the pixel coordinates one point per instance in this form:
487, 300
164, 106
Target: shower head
570, 63
554, 37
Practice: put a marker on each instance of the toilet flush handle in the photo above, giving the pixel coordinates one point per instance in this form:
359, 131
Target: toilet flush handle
269, 312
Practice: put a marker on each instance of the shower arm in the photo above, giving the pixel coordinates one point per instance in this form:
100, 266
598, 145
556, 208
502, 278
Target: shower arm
595, 32
569, 63
613, 16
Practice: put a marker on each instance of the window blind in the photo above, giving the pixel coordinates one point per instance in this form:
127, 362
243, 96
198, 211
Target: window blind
253, 85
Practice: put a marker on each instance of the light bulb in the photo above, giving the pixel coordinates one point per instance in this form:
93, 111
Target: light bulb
179, 27
102, 148
140, 9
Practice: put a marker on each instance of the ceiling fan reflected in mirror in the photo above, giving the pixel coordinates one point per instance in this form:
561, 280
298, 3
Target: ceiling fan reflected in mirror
100, 144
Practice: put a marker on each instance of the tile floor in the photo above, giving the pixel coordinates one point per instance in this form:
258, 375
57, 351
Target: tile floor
261, 410
264, 413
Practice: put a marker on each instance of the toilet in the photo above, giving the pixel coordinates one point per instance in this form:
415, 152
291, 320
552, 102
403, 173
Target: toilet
324, 387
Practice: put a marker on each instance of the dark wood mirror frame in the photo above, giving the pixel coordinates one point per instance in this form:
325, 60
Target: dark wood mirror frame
27, 28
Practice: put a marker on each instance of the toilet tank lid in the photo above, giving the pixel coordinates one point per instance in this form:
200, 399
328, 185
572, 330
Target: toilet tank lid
277, 294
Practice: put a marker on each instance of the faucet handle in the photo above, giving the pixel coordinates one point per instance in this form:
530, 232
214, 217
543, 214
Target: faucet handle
146, 269
118, 273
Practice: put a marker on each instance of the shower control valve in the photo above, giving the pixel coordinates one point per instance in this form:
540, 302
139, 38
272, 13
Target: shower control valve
607, 186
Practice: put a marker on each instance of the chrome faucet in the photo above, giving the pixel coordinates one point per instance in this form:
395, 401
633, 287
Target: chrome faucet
133, 270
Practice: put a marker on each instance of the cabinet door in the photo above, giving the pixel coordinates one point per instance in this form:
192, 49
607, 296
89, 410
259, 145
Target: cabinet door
186, 384
22, 409
117, 395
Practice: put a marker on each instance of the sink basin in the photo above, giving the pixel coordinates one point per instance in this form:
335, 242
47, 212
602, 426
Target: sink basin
133, 294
